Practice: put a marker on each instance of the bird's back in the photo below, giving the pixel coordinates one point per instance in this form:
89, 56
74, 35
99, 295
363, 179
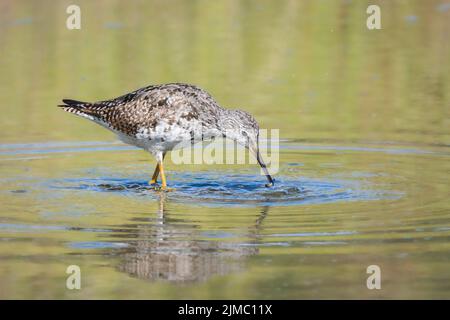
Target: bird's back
148, 107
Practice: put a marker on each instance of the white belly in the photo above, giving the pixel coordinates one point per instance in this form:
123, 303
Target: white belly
158, 141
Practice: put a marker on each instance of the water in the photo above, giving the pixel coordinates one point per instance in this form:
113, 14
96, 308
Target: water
364, 156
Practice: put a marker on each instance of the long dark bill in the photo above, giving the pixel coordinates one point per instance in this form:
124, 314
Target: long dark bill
266, 172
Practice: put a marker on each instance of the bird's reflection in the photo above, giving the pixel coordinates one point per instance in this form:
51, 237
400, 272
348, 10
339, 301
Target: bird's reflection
177, 252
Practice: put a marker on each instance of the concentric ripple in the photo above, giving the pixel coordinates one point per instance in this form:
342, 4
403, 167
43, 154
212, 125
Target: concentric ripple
238, 189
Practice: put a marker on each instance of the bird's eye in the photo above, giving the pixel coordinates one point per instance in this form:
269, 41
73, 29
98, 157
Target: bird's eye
244, 134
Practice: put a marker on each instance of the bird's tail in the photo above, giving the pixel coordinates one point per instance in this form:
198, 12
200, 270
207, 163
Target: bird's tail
79, 108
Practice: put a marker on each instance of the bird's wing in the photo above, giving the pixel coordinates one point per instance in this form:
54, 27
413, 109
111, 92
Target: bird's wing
146, 107
99, 108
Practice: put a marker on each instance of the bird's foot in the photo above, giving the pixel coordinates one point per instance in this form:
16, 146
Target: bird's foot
157, 187
154, 185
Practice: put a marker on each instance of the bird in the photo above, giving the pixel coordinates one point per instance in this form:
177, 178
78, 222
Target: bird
160, 118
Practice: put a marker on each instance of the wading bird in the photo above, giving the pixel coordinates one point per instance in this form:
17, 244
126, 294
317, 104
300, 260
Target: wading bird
160, 118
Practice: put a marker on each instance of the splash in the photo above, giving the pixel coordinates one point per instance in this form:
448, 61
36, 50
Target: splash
212, 189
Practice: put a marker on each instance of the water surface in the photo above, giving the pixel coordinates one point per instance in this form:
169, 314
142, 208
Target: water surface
364, 157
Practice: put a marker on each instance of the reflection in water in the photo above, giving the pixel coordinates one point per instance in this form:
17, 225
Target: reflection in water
173, 251
367, 112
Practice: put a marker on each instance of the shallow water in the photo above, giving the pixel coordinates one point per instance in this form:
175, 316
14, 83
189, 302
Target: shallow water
328, 217
364, 155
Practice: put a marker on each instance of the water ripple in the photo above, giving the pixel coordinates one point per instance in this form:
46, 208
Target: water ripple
237, 189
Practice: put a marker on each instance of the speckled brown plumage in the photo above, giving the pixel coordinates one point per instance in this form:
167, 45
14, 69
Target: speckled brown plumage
160, 118
145, 107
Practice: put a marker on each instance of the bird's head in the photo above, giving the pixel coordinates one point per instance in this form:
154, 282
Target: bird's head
241, 127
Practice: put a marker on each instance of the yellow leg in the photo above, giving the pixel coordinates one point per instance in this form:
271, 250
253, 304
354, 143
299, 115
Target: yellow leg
155, 175
163, 179
163, 176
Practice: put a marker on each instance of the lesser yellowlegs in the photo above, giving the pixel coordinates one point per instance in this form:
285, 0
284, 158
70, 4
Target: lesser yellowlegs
159, 118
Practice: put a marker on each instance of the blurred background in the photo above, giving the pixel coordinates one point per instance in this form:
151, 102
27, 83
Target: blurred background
364, 115
310, 68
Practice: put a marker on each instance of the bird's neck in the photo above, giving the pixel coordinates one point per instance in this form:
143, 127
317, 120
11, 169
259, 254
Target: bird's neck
226, 120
